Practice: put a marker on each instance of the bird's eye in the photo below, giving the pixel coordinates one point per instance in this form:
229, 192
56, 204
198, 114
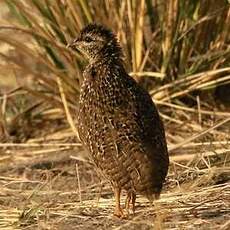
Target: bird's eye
88, 39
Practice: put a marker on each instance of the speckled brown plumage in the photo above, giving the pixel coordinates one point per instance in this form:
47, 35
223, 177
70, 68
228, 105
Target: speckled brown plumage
118, 122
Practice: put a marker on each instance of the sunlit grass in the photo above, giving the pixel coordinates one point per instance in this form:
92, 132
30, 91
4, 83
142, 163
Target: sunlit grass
175, 49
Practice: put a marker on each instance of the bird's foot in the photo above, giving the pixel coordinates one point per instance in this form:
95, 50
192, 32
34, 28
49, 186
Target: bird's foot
120, 214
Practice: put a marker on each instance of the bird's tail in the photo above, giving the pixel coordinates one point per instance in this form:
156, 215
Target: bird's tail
153, 196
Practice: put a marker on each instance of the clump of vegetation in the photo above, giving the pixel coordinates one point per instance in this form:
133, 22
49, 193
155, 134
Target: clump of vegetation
174, 48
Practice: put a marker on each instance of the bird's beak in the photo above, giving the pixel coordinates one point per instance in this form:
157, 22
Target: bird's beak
73, 44
76, 46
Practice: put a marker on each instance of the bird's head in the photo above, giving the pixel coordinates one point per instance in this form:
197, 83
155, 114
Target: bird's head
97, 41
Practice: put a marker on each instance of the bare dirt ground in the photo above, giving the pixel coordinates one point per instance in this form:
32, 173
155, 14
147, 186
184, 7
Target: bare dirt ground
63, 191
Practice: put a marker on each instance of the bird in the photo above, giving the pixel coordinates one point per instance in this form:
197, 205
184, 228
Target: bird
118, 122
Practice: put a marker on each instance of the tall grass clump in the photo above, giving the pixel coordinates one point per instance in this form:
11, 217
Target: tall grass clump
172, 47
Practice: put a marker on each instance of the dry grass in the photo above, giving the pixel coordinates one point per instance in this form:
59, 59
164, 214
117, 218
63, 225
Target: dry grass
53, 198
52, 185
46, 180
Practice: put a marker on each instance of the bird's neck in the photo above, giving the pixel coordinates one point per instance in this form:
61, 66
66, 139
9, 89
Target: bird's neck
108, 54
105, 59
101, 67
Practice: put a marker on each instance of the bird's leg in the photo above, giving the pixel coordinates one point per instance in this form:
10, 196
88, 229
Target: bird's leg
99, 194
133, 201
131, 197
127, 201
118, 211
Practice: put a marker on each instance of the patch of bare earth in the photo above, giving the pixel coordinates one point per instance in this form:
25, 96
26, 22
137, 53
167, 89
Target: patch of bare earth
47, 188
